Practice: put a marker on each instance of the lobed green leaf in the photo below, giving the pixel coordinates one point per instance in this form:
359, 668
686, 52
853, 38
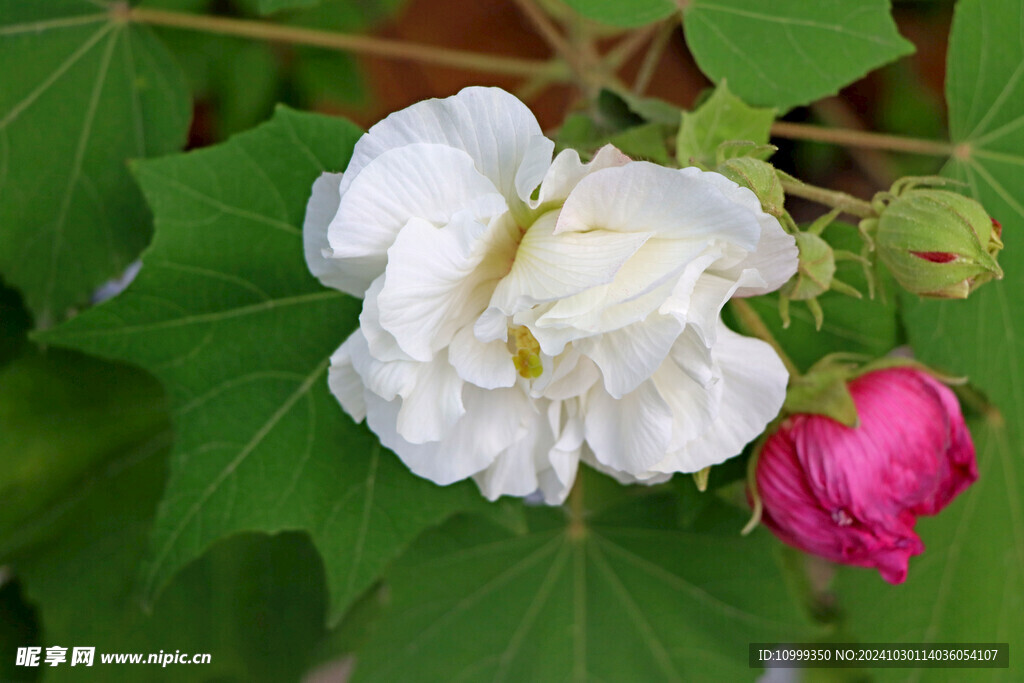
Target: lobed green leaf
227, 316
83, 92
625, 596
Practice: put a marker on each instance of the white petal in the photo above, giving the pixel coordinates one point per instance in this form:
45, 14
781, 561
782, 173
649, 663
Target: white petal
565, 376
492, 422
430, 288
514, 471
488, 365
549, 266
649, 478
708, 298
775, 257
386, 379
534, 166
381, 343
320, 211
691, 389
433, 404
623, 301
566, 171
489, 124
556, 481
544, 456
644, 197
345, 383
774, 261
753, 388
629, 434
427, 182
631, 355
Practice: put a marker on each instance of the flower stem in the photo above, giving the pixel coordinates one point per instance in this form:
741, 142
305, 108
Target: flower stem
624, 50
753, 324
554, 38
577, 527
368, 45
860, 138
837, 200
653, 56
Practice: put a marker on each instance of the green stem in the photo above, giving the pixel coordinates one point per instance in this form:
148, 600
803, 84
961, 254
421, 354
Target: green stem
624, 50
368, 45
753, 324
577, 511
837, 200
859, 138
554, 38
653, 57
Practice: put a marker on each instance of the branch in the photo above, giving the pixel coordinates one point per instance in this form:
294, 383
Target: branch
368, 45
859, 138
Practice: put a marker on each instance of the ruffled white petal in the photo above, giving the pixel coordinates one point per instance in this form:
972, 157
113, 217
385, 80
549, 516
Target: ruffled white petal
623, 301
535, 165
775, 256
643, 197
431, 287
382, 343
386, 379
423, 181
630, 355
566, 376
567, 170
345, 383
753, 387
549, 266
320, 211
490, 125
433, 404
629, 434
488, 365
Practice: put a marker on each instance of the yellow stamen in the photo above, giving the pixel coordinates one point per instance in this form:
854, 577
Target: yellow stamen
525, 353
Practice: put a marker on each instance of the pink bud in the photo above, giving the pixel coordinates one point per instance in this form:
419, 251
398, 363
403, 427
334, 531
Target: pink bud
853, 495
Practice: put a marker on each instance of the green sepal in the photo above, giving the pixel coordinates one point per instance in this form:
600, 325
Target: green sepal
756, 175
824, 391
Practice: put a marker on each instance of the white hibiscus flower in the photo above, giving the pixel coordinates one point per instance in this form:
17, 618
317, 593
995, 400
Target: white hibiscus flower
522, 313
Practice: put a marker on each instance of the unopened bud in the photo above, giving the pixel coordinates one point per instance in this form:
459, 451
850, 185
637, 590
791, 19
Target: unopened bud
938, 243
758, 176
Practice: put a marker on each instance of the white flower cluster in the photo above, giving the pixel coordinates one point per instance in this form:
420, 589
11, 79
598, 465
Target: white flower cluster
523, 313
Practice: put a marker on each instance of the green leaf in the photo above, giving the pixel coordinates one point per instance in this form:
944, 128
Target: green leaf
62, 415
645, 142
969, 583
625, 14
254, 604
721, 118
785, 53
227, 316
627, 596
83, 93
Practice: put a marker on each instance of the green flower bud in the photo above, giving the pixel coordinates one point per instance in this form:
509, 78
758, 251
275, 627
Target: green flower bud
758, 176
938, 243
